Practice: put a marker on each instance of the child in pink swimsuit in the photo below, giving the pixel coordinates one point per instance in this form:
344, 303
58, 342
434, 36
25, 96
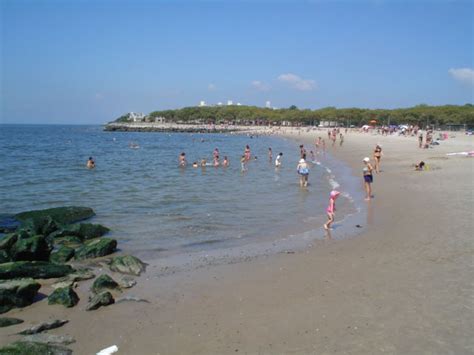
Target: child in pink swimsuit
331, 210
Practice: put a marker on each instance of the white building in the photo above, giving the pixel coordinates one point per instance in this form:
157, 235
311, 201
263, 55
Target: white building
202, 103
229, 102
239, 104
219, 104
136, 116
268, 104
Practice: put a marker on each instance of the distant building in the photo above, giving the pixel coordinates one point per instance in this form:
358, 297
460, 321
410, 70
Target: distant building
202, 103
229, 102
239, 104
136, 116
268, 104
160, 119
219, 104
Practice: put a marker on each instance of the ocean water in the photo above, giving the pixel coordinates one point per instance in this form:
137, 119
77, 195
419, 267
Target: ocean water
156, 208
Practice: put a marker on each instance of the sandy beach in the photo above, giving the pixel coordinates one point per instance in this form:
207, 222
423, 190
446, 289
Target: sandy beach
404, 285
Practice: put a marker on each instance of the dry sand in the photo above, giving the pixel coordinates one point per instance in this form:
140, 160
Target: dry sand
404, 286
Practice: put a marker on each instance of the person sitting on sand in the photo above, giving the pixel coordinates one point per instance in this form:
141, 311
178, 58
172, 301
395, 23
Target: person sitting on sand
90, 163
303, 170
278, 160
331, 210
182, 159
420, 166
368, 178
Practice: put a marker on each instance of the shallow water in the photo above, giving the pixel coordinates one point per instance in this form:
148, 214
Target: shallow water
152, 205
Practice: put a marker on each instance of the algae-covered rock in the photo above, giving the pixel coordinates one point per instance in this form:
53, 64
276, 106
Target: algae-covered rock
33, 248
43, 225
65, 296
34, 348
102, 299
104, 282
7, 241
82, 230
96, 248
127, 264
62, 255
17, 293
70, 241
7, 322
4, 257
33, 269
63, 215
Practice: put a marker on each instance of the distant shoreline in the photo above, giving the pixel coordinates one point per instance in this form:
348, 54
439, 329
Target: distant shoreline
186, 128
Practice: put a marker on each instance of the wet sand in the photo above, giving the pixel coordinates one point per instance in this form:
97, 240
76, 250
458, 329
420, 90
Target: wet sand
403, 286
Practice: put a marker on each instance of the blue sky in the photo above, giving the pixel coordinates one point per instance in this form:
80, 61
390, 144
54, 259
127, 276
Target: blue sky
82, 61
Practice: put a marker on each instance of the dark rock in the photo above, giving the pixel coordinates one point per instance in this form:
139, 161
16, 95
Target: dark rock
46, 338
63, 215
62, 255
6, 322
65, 296
8, 241
34, 348
127, 264
96, 248
17, 293
44, 326
102, 299
42, 225
104, 282
4, 257
33, 248
33, 269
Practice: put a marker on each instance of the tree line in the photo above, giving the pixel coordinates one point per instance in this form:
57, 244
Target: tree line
421, 115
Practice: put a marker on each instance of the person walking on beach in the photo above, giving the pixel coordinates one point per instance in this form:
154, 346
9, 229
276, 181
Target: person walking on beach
368, 178
278, 160
303, 170
420, 140
377, 157
331, 210
182, 159
90, 163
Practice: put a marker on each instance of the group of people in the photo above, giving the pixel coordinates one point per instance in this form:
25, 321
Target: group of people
203, 163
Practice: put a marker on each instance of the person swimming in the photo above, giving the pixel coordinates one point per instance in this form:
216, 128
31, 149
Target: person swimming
225, 163
182, 159
90, 163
